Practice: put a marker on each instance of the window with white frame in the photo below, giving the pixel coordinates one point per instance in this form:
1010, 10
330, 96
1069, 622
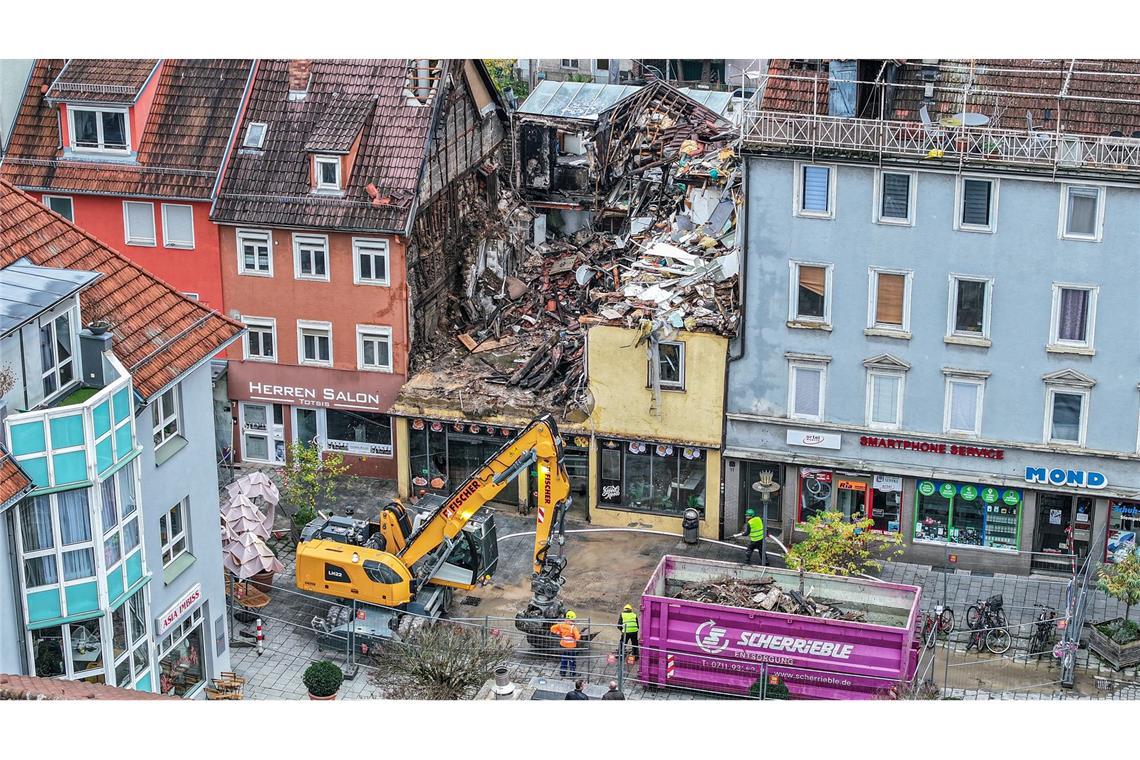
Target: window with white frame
326, 170
884, 398
977, 204
889, 300
260, 338
374, 348
807, 389
815, 191
670, 366
896, 194
311, 257
62, 205
370, 261
177, 225
100, 130
129, 641
138, 220
255, 254
1082, 212
568, 63
963, 404
314, 341
254, 135
164, 416
172, 533
969, 315
1066, 414
57, 351
809, 297
1073, 319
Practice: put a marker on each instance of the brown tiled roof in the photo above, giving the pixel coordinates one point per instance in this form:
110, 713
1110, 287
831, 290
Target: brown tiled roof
1099, 96
180, 151
158, 333
102, 80
13, 480
30, 687
271, 186
339, 125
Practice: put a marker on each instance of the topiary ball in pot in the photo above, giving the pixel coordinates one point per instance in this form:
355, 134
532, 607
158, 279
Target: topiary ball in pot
322, 679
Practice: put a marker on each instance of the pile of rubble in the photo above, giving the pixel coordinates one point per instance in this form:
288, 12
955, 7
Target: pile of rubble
763, 594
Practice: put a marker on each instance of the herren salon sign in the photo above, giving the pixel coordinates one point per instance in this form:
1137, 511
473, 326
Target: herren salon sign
305, 396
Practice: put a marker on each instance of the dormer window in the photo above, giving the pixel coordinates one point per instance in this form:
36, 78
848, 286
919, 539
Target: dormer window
103, 130
327, 172
254, 135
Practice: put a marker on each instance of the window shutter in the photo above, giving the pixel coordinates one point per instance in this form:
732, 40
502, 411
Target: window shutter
140, 220
807, 391
963, 406
896, 196
813, 279
976, 202
884, 398
816, 188
889, 308
179, 224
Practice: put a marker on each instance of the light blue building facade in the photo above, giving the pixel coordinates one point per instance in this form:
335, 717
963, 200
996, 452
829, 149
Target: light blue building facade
950, 347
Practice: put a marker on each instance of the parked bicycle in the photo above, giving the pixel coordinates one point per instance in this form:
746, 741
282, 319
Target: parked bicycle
989, 629
1044, 631
942, 619
974, 611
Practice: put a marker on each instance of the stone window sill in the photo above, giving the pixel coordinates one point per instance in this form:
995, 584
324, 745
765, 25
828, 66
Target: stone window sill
181, 564
965, 340
880, 332
1074, 350
800, 325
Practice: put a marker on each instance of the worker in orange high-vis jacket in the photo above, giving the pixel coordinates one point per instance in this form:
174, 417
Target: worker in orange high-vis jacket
568, 637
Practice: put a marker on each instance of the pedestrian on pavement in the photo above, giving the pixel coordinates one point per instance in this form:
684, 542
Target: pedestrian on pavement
614, 692
579, 685
629, 627
568, 637
754, 528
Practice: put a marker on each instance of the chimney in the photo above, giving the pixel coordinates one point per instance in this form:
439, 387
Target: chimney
300, 74
91, 350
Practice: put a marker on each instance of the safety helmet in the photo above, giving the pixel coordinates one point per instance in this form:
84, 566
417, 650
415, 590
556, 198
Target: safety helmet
629, 608
570, 615
749, 513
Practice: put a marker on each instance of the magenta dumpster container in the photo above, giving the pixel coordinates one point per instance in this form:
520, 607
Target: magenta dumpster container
725, 649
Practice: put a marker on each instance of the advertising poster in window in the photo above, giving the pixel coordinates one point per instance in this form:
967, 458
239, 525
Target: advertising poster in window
1123, 526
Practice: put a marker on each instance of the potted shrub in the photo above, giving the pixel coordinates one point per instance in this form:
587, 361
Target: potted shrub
1117, 641
322, 679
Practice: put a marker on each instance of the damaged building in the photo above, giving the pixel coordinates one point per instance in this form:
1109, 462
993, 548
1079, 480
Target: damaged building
608, 302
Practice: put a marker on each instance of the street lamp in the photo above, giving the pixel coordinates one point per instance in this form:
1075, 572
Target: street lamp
765, 487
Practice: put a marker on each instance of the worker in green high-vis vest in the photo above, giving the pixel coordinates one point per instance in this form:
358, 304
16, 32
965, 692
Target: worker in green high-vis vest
754, 528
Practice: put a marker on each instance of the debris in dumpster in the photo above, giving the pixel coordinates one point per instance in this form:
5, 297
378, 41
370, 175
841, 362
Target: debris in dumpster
762, 594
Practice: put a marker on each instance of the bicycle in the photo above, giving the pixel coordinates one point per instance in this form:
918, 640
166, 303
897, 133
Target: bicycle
989, 631
943, 619
995, 604
1066, 652
1045, 627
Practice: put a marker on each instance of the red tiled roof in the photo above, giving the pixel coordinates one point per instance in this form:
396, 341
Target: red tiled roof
1100, 96
271, 186
158, 333
31, 688
13, 480
180, 150
102, 80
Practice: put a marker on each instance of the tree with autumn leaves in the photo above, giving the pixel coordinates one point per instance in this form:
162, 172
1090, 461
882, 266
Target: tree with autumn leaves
837, 546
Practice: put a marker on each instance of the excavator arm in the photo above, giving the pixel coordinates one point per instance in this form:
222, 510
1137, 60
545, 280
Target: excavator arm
538, 444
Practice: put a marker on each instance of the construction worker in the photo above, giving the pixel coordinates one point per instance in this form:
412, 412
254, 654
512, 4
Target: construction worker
754, 527
629, 627
568, 637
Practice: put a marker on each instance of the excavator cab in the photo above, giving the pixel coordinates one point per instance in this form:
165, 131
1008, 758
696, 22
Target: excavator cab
471, 556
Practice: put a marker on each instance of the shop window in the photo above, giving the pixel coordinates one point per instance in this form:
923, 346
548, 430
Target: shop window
1073, 317
889, 301
807, 388
260, 338
254, 253
1123, 530
963, 410
651, 477
886, 502
884, 399
358, 432
810, 296
311, 257
57, 351
180, 658
427, 454
896, 198
315, 339
815, 493
969, 307
967, 514
815, 191
977, 204
670, 366
1082, 212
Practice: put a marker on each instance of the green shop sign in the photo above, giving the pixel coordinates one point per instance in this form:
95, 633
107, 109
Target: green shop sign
989, 495
926, 488
969, 493
947, 490
1011, 497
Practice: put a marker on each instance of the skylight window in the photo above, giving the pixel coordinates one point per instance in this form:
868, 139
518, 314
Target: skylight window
254, 135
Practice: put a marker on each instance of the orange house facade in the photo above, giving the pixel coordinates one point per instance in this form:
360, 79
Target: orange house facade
327, 347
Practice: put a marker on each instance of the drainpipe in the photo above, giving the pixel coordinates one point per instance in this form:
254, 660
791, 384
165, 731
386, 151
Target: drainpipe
742, 236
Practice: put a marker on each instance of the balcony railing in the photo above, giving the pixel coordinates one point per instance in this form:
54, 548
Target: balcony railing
1054, 151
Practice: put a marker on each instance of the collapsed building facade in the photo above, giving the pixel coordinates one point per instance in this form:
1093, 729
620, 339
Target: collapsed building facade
604, 292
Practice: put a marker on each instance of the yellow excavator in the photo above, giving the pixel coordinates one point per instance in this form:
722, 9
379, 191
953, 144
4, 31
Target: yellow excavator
402, 563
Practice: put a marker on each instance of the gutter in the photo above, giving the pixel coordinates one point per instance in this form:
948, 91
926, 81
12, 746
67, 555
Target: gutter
233, 133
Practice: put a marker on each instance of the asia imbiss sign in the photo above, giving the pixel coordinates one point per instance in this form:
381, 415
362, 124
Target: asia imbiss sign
178, 610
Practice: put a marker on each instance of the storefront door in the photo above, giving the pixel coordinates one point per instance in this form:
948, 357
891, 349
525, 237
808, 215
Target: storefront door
305, 430
851, 495
1060, 535
262, 432
577, 461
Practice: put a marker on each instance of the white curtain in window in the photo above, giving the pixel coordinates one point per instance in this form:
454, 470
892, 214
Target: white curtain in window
884, 399
1082, 211
963, 406
74, 516
110, 505
35, 524
78, 564
807, 390
126, 481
